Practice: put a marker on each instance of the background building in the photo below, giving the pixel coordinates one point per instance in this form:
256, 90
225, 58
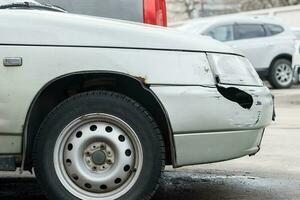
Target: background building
179, 10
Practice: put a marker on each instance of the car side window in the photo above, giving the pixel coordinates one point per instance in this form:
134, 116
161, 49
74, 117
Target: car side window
274, 29
247, 31
221, 33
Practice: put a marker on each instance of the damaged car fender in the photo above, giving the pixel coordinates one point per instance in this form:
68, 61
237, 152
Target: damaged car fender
213, 127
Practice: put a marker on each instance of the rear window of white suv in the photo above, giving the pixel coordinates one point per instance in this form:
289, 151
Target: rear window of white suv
273, 29
247, 31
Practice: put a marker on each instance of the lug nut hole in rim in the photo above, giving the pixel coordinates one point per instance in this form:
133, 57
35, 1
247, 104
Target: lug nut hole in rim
118, 180
108, 129
93, 128
121, 138
103, 187
75, 177
126, 168
79, 134
87, 185
128, 152
69, 162
70, 147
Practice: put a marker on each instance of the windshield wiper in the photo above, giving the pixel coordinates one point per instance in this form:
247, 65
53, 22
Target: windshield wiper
27, 5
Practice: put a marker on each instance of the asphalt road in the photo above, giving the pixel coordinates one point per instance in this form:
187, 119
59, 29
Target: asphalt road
274, 173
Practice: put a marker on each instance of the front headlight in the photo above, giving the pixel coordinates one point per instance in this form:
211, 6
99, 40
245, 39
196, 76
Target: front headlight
234, 69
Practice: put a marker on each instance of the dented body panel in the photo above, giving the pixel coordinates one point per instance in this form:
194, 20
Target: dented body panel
203, 109
208, 127
220, 121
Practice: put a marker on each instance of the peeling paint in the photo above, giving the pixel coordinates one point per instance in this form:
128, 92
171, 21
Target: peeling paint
249, 118
142, 79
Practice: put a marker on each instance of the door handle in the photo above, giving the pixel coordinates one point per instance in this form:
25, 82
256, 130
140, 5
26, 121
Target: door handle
12, 62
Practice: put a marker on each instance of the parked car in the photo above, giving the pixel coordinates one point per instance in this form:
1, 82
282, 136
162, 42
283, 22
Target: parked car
265, 41
97, 107
144, 11
296, 56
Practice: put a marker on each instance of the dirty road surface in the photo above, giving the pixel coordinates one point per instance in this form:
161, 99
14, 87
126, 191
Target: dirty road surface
273, 174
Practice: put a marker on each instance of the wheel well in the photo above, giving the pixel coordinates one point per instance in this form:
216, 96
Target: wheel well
64, 87
281, 56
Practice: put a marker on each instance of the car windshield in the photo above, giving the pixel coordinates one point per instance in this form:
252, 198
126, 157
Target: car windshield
28, 4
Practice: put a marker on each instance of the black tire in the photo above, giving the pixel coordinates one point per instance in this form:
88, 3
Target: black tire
100, 102
275, 82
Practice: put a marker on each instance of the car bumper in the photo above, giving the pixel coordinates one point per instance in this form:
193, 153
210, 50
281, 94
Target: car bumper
296, 71
201, 148
210, 128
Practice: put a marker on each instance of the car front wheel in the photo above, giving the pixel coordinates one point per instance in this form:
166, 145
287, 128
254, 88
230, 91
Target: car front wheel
99, 146
281, 74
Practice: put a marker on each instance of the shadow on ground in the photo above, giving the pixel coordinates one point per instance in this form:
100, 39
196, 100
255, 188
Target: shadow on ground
181, 185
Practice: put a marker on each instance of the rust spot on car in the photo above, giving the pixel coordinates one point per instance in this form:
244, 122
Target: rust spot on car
142, 79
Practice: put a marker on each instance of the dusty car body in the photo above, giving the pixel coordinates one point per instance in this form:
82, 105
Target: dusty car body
203, 112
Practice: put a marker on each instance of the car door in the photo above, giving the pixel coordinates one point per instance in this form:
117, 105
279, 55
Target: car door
250, 39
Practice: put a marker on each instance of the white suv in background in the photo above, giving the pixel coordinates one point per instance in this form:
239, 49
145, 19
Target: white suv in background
265, 41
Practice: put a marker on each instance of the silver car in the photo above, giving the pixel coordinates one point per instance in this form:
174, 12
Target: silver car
98, 107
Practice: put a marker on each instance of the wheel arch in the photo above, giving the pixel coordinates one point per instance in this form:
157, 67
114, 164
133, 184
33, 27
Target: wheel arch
280, 56
65, 86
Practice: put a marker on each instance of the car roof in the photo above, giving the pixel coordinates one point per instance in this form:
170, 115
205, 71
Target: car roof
231, 19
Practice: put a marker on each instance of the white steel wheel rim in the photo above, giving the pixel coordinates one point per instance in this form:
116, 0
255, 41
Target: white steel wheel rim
283, 74
98, 156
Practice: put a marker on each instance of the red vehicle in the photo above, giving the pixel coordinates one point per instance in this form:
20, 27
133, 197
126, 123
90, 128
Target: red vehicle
146, 11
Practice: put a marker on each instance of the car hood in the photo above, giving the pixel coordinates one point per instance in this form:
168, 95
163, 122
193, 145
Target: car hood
33, 27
